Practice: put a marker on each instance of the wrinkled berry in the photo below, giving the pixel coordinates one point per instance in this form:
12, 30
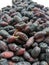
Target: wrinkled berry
7, 54
35, 52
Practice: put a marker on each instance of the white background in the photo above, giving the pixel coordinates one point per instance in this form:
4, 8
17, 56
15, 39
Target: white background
4, 3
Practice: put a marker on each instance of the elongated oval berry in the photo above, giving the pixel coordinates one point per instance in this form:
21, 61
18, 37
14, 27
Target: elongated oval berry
4, 33
17, 19
7, 54
3, 46
25, 19
28, 57
43, 46
20, 26
12, 47
3, 23
20, 51
7, 18
22, 36
35, 52
39, 36
17, 59
29, 42
11, 39
43, 63
3, 62
9, 27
